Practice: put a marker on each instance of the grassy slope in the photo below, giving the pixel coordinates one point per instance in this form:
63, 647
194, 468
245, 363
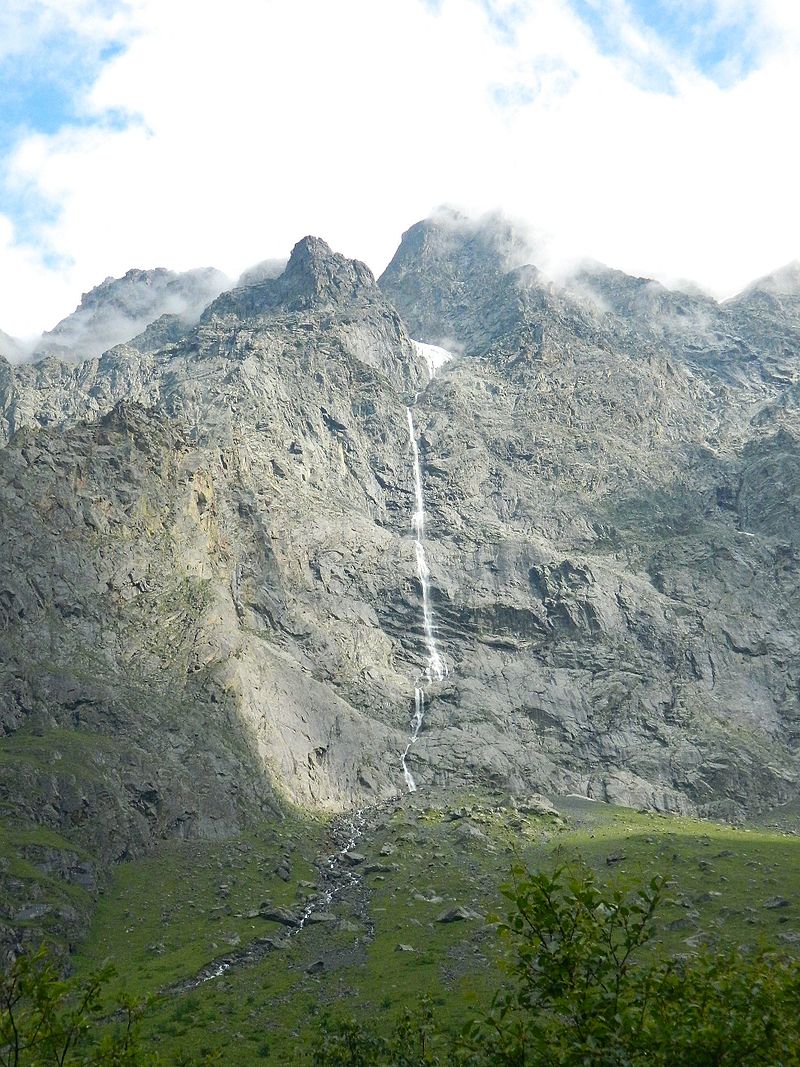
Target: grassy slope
33, 857
166, 916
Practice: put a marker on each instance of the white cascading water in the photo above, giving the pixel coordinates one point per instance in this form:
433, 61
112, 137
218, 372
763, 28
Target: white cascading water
436, 667
336, 873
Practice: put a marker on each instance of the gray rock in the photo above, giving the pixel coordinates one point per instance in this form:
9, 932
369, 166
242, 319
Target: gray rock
456, 914
32, 911
276, 914
121, 308
284, 872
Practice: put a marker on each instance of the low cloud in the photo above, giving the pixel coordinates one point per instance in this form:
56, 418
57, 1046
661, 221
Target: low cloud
352, 120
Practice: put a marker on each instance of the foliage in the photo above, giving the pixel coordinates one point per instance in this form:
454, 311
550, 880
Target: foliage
47, 1020
579, 995
416, 1041
572, 995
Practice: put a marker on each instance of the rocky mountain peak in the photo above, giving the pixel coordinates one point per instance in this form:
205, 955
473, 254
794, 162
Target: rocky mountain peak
315, 277
10, 348
782, 282
608, 497
120, 308
316, 273
449, 270
450, 245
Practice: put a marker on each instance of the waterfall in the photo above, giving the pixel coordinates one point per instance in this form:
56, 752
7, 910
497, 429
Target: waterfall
337, 874
436, 667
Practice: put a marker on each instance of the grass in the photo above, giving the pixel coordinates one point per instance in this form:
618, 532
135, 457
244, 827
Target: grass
166, 916
189, 902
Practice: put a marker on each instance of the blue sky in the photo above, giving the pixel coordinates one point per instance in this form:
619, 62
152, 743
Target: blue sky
719, 41
49, 59
48, 65
44, 82
125, 125
721, 46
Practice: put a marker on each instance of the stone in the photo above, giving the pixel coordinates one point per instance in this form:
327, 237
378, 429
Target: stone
353, 859
456, 914
32, 911
276, 914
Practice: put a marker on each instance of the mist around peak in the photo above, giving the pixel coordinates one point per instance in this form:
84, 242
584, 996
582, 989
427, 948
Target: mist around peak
119, 309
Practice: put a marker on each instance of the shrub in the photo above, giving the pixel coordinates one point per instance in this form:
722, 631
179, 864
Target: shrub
580, 995
46, 1020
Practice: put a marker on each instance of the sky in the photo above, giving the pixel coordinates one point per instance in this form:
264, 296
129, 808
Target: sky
658, 136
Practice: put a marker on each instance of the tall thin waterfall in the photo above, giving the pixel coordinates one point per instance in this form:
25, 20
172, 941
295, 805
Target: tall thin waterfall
436, 667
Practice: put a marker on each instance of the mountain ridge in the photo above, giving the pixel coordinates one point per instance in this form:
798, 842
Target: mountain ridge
208, 552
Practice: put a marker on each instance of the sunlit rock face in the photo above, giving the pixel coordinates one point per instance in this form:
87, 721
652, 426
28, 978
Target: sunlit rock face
210, 581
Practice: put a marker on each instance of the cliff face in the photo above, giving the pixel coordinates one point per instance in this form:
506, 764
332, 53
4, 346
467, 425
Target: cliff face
209, 591
613, 477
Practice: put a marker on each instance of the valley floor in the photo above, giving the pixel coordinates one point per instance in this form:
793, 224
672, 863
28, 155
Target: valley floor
386, 938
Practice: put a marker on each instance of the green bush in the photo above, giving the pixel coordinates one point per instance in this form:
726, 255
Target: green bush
45, 1020
48, 1021
580, 995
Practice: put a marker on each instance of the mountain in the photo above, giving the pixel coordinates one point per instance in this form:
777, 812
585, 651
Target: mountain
10, 348
218, 589
119, 309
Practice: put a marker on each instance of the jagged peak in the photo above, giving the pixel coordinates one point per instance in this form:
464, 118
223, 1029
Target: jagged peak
313, 262
120, 308
491, 242
315, 276
785, 281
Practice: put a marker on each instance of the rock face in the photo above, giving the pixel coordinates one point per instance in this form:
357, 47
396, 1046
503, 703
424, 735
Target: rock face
121, 308
209, 593
621, 613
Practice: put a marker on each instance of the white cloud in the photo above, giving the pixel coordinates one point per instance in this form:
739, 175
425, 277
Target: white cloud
260, 122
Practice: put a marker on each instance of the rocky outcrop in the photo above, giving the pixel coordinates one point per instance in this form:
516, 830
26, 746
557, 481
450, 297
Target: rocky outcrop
54, 393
